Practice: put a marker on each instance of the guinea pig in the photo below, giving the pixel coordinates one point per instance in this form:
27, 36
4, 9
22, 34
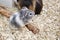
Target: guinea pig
21, 18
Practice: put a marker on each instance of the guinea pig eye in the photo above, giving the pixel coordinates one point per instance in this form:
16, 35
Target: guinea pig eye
30, 14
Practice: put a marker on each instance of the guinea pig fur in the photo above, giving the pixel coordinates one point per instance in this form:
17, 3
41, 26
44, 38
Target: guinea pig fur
21, 18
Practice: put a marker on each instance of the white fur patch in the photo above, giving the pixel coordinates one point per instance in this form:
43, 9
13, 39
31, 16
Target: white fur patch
17, 19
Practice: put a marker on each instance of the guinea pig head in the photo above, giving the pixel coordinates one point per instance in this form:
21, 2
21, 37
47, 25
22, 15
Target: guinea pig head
26, 14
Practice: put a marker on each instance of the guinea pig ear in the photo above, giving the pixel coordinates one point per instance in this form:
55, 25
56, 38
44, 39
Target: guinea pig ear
22, 14
23, 10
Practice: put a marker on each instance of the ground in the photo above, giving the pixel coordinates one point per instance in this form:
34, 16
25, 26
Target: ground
48, 23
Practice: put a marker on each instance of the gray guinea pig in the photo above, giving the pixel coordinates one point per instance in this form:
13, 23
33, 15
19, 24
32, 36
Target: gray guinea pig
21, 18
